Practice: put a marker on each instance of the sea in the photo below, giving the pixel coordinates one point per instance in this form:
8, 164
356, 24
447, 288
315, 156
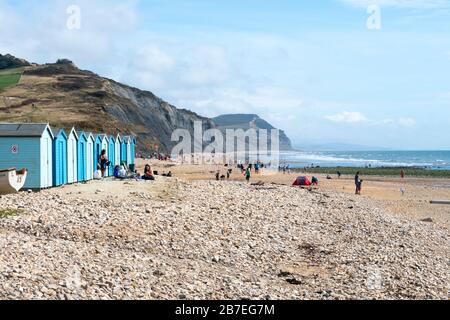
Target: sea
433, 160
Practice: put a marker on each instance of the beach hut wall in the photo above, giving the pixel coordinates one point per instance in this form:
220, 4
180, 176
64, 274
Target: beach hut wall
72, 157
81, 157
90, 156
111, 153
60, 158
28, 146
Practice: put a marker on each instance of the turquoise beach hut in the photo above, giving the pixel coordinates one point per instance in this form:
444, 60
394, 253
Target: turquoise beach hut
98, 139
101, 143
28, 146
82, 157
111, 153
60, 158
123, 150
133, 142
127, 140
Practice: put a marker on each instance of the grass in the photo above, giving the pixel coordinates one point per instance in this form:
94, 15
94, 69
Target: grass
410, 172
10, 77
4, 213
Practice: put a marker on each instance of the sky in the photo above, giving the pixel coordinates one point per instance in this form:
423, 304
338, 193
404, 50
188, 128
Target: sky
366, 72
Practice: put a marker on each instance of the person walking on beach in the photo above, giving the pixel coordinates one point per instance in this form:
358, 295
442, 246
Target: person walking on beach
402, 174
248, 174
358, 183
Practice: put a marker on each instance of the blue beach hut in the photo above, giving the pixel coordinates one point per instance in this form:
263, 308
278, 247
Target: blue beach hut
28, 146
123, 150
133, 142
111, 153
82, 157
98, 139
60, 158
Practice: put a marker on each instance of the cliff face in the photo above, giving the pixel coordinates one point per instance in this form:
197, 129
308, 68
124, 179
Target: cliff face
248, 121
66, 96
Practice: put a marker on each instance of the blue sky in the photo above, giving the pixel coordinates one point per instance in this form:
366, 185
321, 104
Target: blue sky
312, 68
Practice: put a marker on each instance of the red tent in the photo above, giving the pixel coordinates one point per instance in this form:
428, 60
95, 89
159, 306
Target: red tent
302, 181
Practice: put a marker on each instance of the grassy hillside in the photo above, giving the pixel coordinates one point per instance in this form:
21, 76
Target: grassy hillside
10, 77
65, 96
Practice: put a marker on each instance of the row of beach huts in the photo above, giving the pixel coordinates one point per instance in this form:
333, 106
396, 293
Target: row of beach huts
55, 157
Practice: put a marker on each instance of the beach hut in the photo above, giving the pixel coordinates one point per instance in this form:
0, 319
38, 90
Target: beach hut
118, 142
28, 146
59, 158
101, 143
72, 157
133, 142
90, 155
123, 150
81, 157
111, 153
127, 146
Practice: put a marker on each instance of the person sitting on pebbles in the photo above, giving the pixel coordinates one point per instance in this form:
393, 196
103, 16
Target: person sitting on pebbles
148, 173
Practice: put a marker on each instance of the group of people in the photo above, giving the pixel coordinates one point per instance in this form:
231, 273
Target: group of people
121, 172
286, 169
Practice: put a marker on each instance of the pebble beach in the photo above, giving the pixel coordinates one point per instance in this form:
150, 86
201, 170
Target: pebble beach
186, 239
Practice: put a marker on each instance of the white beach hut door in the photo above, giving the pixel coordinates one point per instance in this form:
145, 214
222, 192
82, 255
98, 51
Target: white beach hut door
45, 164
70, 161
117, 155
89, 160
74, 161
46, 167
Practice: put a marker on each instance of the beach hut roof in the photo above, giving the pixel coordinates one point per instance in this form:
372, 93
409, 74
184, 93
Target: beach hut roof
126, 139
60, 131
23, 129
90, 135
100, 136
74, 132
81, 132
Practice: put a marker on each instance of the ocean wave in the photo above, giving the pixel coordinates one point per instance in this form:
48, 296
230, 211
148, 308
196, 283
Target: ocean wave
320, 159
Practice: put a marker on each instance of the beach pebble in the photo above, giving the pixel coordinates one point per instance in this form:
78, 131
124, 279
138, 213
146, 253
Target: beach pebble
208, 240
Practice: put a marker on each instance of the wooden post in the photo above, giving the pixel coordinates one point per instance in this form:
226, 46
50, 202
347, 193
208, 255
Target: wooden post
446, 202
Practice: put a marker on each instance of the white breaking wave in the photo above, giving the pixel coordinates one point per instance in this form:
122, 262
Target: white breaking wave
320, 159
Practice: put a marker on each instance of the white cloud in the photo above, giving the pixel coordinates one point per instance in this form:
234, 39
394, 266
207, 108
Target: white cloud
407, 4
43, 25
347, 117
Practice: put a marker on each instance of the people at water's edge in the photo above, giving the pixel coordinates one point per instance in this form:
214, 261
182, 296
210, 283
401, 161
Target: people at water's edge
358, 183
248, 174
